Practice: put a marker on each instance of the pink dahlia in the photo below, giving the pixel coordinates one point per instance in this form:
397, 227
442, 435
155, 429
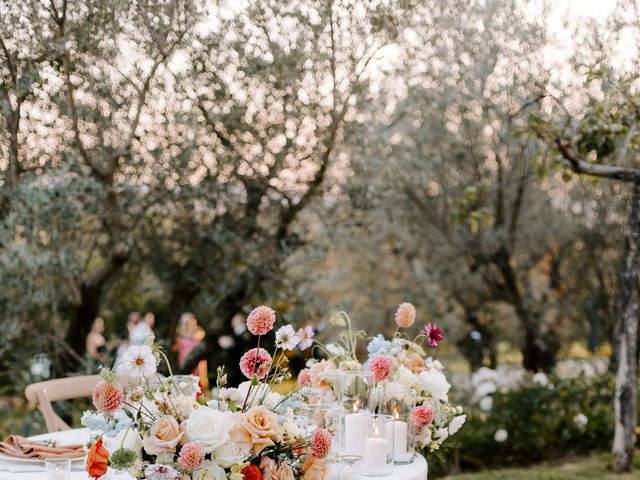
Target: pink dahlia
256, 362
321, 441
433, 334
405, 315
421, 416
304, 377
191, 456
261, 320
380, 366
107, 398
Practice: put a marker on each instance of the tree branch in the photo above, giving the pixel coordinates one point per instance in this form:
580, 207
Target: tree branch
578, 165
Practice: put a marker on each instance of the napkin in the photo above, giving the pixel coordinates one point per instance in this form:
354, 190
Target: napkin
21, 447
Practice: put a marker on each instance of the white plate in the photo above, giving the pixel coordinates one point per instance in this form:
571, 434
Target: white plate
4, 459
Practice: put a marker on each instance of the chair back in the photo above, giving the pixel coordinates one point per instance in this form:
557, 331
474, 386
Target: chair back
41, 394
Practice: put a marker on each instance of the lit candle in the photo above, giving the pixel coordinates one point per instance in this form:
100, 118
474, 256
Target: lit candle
355, 425
400, 452
375, 454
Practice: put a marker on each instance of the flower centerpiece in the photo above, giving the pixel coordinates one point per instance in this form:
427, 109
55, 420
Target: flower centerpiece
152, 430
398, 365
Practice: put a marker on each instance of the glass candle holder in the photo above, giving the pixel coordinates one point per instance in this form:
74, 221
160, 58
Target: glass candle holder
398, 403
57, 468
353, 392
320, 415
349, 467
378, 446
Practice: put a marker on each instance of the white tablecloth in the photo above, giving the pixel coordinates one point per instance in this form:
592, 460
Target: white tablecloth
12, 470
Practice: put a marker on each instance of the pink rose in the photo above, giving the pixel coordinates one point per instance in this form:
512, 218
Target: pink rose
163, 436
380, 366
421, 416
267, 465
261, 320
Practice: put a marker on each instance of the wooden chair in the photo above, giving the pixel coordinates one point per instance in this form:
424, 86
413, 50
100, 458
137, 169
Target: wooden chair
41, 395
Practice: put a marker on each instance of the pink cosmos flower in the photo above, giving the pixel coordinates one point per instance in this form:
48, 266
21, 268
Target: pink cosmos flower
380, 366
421, 416
191, 456
107, 398
256, 361
433, 334
405, 315
304, 377
261, 320
305, 335
321, 441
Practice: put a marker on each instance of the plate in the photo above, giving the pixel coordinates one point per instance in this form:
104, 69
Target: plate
32, 461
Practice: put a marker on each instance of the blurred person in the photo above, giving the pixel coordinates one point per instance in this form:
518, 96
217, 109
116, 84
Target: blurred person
188, 336
95, 342
132, 320
142, 330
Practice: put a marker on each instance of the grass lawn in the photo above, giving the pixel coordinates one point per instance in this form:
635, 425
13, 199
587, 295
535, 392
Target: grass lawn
593, 467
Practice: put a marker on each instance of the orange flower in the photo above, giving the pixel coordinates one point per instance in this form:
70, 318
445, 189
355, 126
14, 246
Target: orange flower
97, 460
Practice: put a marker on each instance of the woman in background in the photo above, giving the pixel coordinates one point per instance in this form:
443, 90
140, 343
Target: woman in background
188, 336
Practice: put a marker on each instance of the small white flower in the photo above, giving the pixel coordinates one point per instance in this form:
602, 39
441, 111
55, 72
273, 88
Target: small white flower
486, 403
139, 361
541, 379
456, 423
501, 435
581, 420
160, 472
286, 338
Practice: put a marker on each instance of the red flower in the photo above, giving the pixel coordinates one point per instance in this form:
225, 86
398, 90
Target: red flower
433, 334
251, 472
97, 460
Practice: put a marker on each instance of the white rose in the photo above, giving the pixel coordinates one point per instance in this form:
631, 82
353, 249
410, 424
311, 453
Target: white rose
436, 384
209, 471
209, 427
229, 454
272, 400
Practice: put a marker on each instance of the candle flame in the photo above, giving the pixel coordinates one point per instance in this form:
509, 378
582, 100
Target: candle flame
355, 406
377, 432
396, 415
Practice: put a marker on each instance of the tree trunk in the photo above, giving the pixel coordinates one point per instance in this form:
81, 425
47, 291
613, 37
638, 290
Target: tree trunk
87, 308
538, 353
626, 343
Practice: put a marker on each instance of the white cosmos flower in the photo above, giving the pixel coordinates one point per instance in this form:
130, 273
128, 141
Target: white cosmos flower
139, 361
305, 335
160, 472
287, 338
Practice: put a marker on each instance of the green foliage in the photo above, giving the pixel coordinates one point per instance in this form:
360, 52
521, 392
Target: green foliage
541, 422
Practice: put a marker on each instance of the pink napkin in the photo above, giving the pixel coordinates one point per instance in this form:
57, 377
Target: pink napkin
20, 447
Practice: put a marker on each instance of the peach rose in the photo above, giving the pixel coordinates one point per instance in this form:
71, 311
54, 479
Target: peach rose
163, 436
283, 472
314, 469
183, 430
262, 425
268, 466
412, 361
